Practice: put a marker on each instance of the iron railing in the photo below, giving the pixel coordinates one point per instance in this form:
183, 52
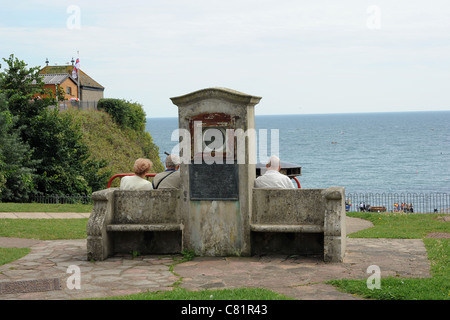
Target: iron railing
392, 202
420, 202
61, 199
79, 105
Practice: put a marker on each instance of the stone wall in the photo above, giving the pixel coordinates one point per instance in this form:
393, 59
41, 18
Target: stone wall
91, 95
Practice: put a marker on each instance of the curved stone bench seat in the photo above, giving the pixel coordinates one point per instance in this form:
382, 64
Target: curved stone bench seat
147, 222
143, 227
305, 228
299, 221
282, 221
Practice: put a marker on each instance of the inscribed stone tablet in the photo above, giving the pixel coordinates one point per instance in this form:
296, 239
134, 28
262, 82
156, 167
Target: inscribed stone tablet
214, 181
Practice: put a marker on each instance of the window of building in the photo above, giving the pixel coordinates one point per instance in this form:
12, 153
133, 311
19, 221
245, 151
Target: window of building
69, 90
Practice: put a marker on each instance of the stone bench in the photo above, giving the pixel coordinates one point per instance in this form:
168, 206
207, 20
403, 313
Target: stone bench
282, 221
147, 222
299, 221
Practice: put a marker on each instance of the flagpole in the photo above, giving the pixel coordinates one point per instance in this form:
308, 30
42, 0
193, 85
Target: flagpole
78, 82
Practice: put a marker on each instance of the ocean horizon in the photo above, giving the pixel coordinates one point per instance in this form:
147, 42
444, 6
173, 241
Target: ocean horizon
376, 152
330, 113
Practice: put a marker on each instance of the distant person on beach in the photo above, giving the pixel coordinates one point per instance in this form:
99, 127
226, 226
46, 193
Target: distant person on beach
138, 181
362, 207
171, 177
272, 178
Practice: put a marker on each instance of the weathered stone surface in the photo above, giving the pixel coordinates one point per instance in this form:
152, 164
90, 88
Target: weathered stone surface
144, 207
333, 193
288, 207
303, 277
247, 220
334, 224
219, 228
219, 93
299, 277
124, 221
300, 211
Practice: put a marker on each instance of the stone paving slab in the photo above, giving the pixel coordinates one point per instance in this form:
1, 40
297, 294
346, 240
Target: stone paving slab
303, 277
298, 277
115, 276
295, 276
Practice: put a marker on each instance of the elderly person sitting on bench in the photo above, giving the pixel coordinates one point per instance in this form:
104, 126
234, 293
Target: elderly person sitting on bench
138, 181
273, 178
171, 177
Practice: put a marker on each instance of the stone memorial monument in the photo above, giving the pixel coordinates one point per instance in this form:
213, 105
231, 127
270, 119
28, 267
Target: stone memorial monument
217, 211
217, 183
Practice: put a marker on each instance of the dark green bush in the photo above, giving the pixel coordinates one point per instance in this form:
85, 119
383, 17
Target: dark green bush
125, 113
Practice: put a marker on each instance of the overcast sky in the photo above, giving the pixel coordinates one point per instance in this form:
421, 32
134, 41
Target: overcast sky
300, 56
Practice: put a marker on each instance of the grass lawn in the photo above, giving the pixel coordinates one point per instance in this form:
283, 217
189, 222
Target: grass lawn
44, 229
400, 226
44, 207
410, 226
10, 254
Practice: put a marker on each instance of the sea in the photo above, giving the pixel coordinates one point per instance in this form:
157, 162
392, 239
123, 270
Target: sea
392, 152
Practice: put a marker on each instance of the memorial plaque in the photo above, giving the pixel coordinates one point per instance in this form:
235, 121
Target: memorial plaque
214, 181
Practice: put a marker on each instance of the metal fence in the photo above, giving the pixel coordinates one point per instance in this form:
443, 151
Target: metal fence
62, 199
412, 202
79, 105
392, 202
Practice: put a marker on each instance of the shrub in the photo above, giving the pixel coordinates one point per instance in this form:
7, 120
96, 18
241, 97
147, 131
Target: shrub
126, 114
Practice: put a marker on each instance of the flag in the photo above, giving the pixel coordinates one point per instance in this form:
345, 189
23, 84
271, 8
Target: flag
75, 68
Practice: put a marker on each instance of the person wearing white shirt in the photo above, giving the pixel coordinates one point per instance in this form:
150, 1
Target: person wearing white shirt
138, 181
272, 178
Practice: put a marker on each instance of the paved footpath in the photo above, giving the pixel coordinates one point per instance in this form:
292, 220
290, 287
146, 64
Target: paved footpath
44, 215
295, 276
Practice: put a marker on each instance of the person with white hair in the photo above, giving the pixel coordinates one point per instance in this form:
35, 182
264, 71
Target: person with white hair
138, 181
171, 177
272, 178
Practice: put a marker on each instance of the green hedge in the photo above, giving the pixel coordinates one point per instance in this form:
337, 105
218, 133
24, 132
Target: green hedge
125, 113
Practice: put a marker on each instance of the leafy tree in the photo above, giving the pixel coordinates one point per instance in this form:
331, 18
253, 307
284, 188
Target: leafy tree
96, 175
117, 108
56, 142
136, 116
16, 174
23, 88
125, 113
41, 149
